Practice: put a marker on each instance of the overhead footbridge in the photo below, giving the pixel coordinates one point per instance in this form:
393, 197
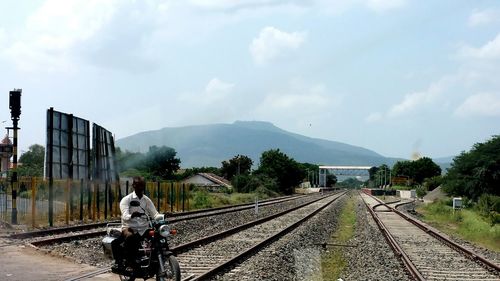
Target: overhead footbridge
348, 171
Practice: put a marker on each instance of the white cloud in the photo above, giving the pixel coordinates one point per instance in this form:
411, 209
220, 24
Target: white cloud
484, 17
490, 50
218, 88
241, 4
385, 5
3, 37
64, 35
414, 100
483, 104
297, 103
374, 117
215, 91
53, 30
272, 43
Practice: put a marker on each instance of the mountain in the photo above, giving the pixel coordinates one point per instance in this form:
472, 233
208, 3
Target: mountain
444, 162
209, 145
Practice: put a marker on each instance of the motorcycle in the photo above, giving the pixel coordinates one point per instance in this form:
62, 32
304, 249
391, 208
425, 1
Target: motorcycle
154, 257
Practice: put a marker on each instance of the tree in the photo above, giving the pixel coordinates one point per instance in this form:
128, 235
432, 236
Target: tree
350, 183
425, 168
195, 170
238, 165
286, 171
32, 161
127, 160
417, 170
160, 162
403, 169
475, 172
331, 180
312, 171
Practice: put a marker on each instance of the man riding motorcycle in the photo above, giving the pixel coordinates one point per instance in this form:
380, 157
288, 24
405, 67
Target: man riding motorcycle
134, 224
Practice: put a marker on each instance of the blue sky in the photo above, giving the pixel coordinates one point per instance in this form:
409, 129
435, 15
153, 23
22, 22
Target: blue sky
394, 76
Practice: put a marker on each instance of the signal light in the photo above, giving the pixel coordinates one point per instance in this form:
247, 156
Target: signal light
15, 103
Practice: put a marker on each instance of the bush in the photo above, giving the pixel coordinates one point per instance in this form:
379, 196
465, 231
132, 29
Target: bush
250, 183
431, 183
201, 199
489, 207
421, 191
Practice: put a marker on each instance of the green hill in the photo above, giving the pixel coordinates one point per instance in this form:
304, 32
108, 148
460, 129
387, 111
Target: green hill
209, 145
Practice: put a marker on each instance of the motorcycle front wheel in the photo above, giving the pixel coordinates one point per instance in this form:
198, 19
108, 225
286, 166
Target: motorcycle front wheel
172, 270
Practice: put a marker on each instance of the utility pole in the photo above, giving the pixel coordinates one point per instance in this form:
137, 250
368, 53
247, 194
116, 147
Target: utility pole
15, 112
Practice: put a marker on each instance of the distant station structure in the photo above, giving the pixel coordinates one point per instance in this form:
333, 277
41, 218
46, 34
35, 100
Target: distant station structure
348, 171
5, 155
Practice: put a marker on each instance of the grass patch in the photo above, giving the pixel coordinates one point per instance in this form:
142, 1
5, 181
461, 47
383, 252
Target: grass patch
332, 260
203, 199
467, 224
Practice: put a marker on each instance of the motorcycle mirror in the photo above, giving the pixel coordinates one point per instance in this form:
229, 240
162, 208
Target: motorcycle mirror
135, 204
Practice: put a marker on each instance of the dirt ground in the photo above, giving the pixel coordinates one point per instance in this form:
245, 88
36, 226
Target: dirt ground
23, 262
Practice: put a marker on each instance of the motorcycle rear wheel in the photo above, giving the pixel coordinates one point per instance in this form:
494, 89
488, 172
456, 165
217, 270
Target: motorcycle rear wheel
172, 270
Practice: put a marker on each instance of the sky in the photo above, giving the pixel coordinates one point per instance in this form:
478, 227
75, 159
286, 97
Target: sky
393, 76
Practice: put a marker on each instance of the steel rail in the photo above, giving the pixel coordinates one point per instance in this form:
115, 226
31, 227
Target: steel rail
435, 233
274, 200
97, 233
225, 210
176, 217
205, 240
254, 249
394, 245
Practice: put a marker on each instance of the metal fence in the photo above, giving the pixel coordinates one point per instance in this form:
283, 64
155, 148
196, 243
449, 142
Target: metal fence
83, 201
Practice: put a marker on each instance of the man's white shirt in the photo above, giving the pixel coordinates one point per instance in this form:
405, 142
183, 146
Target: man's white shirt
139, 224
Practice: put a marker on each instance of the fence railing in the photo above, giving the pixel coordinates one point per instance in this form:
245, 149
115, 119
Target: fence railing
82, 201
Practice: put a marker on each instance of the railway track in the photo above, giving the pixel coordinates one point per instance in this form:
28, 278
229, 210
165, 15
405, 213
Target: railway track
201, 260
172, 218
427, 254
65, 234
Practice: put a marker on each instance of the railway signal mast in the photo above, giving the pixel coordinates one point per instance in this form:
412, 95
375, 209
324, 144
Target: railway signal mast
15, 112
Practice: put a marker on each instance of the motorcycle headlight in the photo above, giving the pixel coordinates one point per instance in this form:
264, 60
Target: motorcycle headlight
164, 230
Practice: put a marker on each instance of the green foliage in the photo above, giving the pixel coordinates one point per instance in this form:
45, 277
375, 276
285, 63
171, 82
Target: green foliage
195, 170
489, 207
161, 162
239, 164
466, 223
417, 170
379, 176
475, 172
311, 169
351, 183
421, 191
127, 160
403, 168
431, 183
201, 199
425, 168
32, 162
331, 180
284, 170
252, 183
158, 163
373, 171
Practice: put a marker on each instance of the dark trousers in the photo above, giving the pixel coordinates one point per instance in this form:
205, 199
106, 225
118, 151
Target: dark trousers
126, 247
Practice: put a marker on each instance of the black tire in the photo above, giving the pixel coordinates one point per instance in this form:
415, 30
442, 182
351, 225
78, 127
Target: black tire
173, 270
